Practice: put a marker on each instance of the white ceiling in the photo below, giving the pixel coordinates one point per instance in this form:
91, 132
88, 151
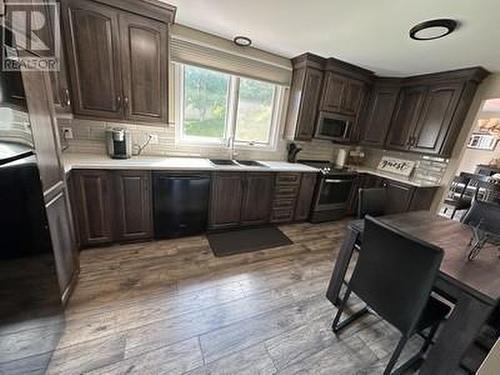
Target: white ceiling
370, 33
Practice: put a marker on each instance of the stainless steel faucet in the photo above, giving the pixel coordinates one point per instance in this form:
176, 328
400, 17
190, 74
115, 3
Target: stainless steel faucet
230, 145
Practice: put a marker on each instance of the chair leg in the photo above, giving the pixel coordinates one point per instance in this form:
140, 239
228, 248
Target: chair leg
394, 358
417, 360
342, 306
336, 326
430, 336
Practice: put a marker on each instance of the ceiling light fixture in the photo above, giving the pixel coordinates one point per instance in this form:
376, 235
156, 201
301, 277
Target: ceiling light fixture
242, 41
433, 29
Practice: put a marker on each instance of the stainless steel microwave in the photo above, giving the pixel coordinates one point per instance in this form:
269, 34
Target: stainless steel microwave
334, 127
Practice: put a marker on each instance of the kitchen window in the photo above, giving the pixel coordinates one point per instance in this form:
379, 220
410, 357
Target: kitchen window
215, 107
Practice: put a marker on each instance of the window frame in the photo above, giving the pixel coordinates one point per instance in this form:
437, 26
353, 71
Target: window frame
231, 114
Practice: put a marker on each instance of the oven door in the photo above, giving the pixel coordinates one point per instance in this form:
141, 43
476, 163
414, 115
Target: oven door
334, 127
333, 192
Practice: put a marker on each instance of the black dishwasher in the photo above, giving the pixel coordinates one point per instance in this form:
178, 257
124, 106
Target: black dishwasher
180, 204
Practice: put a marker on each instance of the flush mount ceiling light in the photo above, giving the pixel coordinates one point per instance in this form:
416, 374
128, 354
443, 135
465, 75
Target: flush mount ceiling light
433, 29
242, 41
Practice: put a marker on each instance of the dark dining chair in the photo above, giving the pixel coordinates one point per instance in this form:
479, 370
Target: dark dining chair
394, 276
484, 218
371, 201
456, 200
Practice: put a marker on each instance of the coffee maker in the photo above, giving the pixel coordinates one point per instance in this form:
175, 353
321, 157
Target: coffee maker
119, 143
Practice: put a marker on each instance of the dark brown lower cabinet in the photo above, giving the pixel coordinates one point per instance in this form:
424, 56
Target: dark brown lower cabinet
398, 196
93, 213
225, 202
304, 199
112, 206
257, 198
133, 206
401, 197
61, 235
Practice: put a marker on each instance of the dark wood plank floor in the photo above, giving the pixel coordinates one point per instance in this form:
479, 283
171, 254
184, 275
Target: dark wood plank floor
171, 307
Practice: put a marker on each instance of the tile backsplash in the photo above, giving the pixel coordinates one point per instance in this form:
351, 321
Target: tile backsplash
89, 137
427, 168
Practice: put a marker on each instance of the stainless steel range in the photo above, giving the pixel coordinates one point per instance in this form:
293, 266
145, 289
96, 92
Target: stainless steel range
332, 191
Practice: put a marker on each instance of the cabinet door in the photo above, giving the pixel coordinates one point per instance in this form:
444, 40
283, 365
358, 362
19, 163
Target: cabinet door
333, 93
225, 202
94, 206
133, 206
405, 117
309, 103
144, 46
399, 197
44, 128
378, 120
92, 45
63, 244
435, 119
354, 94
304, 199
257, 198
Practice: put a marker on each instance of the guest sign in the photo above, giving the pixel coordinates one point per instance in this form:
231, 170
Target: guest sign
398, 166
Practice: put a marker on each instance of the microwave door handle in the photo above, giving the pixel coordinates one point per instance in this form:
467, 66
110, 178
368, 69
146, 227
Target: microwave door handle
346, 131
336, 181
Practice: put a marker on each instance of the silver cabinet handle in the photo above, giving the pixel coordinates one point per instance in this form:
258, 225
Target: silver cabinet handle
67, 97
118, 101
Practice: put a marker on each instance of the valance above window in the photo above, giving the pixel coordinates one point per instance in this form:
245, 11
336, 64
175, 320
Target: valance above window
193, 47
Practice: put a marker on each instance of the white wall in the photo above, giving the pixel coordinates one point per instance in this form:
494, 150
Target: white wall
489, 89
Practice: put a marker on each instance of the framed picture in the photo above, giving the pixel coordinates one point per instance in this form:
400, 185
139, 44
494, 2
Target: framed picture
482, 142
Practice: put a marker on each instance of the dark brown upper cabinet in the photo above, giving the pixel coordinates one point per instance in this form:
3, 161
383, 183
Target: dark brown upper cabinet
145, 67
379, 115
118, 58
333, 93
436, 117
405, 117
257, 198
305, 95
92, 43
342, 94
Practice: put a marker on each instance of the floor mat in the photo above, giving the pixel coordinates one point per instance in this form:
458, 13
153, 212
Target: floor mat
246, 240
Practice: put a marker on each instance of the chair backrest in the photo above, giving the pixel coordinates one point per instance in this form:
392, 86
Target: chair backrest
458, 186
484, 215
395, 273
371, 202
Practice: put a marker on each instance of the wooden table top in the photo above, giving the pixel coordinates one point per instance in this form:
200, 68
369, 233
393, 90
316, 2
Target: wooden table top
480, 277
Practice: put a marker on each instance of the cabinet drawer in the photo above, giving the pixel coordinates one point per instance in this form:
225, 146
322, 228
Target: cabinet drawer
287, 178
286, 191
284, 203
281, 215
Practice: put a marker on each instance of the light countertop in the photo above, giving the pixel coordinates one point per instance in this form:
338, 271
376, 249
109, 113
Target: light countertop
90, 161
395, 177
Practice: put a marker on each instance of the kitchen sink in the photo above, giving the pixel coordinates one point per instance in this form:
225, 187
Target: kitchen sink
250, 163
223, 162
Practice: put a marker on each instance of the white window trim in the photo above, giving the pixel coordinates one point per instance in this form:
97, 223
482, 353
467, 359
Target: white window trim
230, 125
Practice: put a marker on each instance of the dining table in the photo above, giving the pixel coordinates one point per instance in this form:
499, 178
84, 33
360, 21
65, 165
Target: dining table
472, 286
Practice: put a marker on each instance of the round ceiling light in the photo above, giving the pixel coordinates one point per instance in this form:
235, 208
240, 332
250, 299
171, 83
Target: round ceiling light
242, 41
433, 29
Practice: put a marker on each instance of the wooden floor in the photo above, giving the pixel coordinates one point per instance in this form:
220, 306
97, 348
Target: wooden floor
171, 307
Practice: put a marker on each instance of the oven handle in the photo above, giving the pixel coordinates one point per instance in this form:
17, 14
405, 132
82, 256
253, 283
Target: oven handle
333, 181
